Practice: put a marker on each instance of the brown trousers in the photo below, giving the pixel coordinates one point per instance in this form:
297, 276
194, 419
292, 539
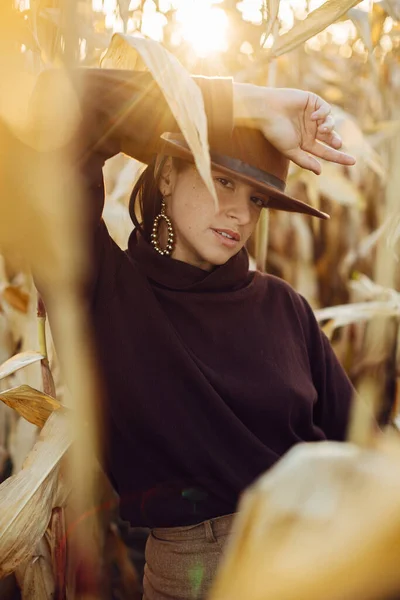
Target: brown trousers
181, 562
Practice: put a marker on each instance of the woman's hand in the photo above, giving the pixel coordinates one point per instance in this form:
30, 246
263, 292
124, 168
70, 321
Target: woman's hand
297, 123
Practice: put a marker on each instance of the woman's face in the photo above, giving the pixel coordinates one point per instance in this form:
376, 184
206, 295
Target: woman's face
205, 237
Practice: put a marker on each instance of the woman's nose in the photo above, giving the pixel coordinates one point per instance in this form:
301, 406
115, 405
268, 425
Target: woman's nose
239, 207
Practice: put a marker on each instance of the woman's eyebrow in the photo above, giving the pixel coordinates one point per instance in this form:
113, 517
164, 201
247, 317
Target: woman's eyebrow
218, 172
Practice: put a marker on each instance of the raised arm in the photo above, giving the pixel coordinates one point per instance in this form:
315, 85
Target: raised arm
124, 111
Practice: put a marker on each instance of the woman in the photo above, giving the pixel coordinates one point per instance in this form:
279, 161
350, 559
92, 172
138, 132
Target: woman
212, 371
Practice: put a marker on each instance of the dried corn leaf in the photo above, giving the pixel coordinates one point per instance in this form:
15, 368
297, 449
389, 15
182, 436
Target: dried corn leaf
392, 7
329, 329
273, 10
58, 545
316, 21
394, 232
318, 492
335, 186
361, 311
35, 577
34, 406
356, 142
364, 248
6, 339
361, 20
383, 132
365, 289
27, 499
16, 298
20, 360
181, 93
379, 15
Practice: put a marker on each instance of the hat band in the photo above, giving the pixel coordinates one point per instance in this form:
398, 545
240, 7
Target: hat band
235, 164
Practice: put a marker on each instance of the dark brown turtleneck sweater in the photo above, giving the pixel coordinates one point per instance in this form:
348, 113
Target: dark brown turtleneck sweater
210, 377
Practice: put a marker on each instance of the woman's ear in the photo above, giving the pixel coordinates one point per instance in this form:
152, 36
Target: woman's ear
165, 184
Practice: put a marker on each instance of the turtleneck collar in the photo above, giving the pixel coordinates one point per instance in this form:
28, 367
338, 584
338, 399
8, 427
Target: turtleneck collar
178, 275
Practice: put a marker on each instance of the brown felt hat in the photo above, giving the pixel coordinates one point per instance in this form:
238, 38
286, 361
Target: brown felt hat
249, 157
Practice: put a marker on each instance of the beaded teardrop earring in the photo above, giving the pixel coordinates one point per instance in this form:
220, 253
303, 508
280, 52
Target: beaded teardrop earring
154, 236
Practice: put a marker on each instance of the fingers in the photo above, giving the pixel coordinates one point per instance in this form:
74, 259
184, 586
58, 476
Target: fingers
326, 125
327, 153
332, 139
304, 160
322, 111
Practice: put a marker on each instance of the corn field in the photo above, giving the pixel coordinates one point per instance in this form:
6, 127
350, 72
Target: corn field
346, 51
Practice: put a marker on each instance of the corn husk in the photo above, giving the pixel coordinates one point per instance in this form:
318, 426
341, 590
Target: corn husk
27, 499
35, 576
297, 533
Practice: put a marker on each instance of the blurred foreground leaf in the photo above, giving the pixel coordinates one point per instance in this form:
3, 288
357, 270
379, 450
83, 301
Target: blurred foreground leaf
297, 533
181, 93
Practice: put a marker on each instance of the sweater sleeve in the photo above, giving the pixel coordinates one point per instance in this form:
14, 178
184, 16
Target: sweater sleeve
125, 111
335, 391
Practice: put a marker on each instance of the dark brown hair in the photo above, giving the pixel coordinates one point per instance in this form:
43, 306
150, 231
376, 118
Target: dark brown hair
145, 200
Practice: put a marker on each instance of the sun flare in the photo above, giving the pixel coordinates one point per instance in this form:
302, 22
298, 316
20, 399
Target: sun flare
205, 26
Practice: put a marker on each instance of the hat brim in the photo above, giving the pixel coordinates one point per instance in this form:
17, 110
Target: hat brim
277, 199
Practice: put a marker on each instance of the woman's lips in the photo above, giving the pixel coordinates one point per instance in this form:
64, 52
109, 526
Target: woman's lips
229, 242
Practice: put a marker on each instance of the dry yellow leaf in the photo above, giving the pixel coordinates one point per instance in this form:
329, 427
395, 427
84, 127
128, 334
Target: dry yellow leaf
20, 360
273, 10
393, 8
343, 314
378, 20
35, 577
16, 298
27, 498
34, 406
329, 329
181, 93
316, 21
335, 186
362, 22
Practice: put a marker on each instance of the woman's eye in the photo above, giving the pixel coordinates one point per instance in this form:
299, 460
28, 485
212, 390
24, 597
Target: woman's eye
224, 182
257, 201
